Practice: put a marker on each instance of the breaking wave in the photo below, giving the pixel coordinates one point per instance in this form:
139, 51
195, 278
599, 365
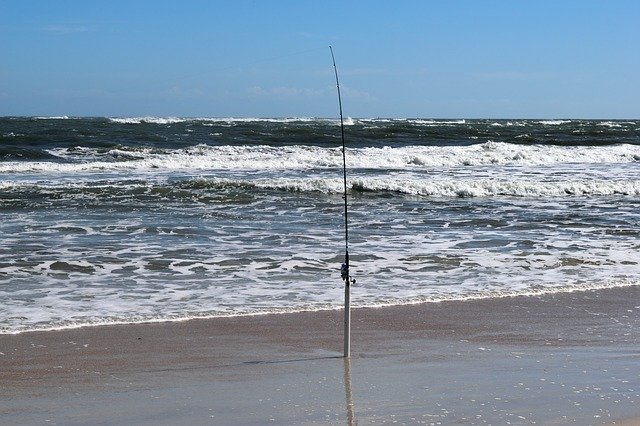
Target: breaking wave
410, 185
267, 157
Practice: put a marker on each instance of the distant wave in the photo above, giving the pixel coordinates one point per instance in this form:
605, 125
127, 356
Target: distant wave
426, 187
493, 188
427, 122
348, 120
171, 120
439, 187
176, 132
154, 120
58, 117
554, 122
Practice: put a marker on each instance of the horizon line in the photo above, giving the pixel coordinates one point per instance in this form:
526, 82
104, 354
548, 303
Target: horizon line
239, 117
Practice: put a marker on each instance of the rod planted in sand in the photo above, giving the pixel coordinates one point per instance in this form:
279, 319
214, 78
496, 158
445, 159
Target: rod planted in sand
344, 271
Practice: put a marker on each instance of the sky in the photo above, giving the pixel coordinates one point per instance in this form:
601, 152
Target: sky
237, 58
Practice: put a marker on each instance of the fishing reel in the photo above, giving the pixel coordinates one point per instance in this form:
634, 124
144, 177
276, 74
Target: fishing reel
344, 273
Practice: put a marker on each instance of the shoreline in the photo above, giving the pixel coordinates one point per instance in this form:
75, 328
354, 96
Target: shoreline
382, 305
555, 359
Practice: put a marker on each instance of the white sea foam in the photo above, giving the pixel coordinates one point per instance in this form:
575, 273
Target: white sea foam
152, 120
430, 122
217, 120
135, 278
610, 124
59, 117
554, 122
120, 312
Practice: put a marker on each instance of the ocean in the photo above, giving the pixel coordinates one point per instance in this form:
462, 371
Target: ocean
127, 220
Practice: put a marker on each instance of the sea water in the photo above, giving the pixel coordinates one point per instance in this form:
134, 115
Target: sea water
120, 220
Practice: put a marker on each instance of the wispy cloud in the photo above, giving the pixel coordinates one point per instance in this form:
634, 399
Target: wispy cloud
390, 72
358, 94
67, 28
288, 92
367, 71
185, 93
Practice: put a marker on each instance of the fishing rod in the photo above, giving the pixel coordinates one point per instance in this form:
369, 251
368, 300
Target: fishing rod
344, 270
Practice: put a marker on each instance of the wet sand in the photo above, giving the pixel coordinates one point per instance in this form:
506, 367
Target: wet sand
571, 358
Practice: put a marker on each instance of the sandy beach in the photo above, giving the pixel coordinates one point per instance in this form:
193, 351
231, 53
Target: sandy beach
569, 358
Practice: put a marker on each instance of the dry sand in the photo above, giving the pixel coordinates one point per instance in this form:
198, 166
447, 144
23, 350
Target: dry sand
571, 358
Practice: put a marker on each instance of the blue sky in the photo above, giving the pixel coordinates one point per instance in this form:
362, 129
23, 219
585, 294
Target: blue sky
453, 59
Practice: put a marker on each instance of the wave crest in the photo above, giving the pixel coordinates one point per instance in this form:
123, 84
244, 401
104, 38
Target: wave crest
297, 157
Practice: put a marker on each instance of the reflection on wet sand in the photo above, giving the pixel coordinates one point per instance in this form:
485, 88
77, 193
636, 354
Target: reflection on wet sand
347, 393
